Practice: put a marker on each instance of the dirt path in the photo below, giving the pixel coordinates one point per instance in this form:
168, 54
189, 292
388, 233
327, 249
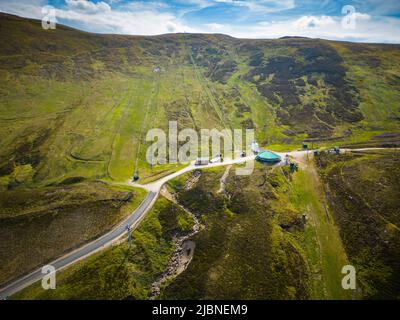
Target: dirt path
223, 179
332, 255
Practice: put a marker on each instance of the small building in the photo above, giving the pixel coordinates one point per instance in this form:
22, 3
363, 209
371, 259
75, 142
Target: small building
157, 69
255, 148
202, 161
268, 156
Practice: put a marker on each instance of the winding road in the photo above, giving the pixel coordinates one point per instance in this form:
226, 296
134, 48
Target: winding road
86, 250
131, 221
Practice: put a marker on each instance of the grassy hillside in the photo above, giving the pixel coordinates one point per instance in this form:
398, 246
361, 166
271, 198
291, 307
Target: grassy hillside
266, 237
39, 225
263, 238
363, 192
274, 235
73, 103
122, 272
243, 253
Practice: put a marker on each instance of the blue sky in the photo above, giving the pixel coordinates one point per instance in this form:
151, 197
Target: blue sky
371, 20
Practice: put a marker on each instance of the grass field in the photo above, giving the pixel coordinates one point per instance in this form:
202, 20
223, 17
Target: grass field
87, 113
329, 256
364, 192
39, 225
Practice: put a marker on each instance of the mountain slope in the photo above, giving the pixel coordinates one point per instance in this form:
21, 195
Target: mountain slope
71, 102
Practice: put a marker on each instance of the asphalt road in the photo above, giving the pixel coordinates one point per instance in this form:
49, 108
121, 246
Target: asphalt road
88, 249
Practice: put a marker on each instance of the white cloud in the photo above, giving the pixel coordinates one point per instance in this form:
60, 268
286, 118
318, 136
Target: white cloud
367, 29
360, 16
157, 17
135, 22
148, 5
261, 6
314, 22
24, 8
172, 27
252, 6
215, 26
88, 6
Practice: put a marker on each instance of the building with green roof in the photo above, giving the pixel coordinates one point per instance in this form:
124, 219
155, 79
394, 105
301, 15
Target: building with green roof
268, 156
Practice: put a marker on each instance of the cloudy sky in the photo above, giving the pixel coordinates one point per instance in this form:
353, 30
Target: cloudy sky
357, 20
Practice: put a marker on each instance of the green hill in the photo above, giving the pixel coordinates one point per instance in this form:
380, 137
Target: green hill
79, 104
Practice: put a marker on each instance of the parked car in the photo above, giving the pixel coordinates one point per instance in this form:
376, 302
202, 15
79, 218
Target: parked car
217, 159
